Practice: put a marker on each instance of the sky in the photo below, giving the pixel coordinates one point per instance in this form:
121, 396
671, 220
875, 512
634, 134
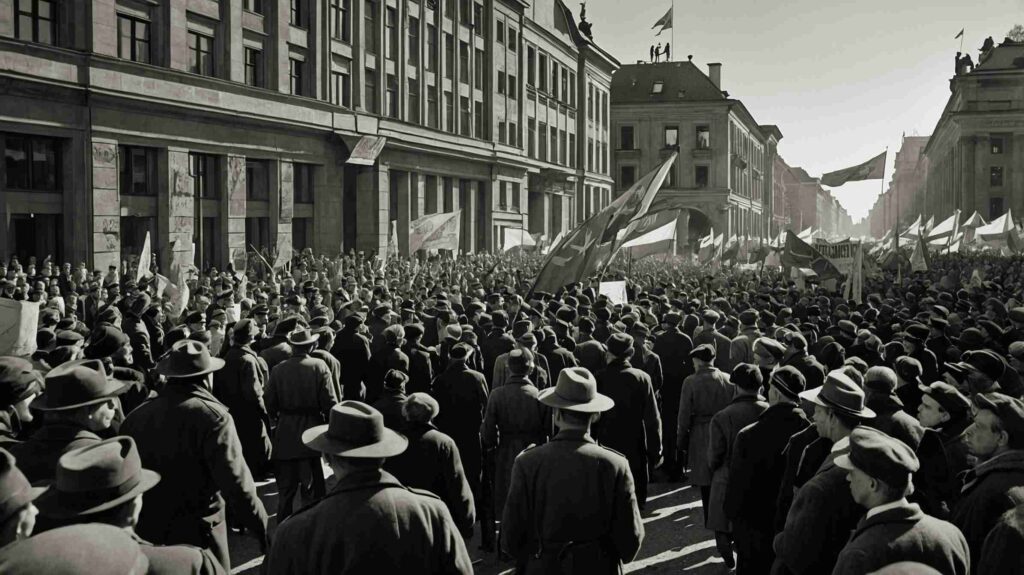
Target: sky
843, 80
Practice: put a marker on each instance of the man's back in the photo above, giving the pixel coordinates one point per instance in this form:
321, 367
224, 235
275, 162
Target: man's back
370, 523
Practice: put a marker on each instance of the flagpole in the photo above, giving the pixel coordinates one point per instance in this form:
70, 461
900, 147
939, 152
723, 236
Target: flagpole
673, 22
962, 30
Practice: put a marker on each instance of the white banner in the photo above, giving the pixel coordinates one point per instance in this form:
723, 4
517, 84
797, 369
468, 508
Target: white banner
616, 291
19, 321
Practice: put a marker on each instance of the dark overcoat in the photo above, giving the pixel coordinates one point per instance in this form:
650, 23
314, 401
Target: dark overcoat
239, 385
37, 456
513, 421
986, 495
352, 349
461, 394
725, 426
300, 395
704, 394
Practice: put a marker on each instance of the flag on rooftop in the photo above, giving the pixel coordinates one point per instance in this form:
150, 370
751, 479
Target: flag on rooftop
959, 34
873, 169
665, 22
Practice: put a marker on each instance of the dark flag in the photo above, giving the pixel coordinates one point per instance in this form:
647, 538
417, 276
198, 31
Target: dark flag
873, 169
800, 254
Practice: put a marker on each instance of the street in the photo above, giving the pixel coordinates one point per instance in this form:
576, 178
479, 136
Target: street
674, 540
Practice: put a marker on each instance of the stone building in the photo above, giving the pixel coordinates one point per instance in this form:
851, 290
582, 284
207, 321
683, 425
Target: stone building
976, 152
808, 204
310, 123
725, 168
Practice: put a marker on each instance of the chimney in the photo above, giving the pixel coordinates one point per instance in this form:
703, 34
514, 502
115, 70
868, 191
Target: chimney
715, 73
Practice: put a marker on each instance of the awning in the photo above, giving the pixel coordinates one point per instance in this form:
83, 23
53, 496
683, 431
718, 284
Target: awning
366, 150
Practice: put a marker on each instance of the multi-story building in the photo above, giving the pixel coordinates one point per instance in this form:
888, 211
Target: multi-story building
976, 152
724, 171
808, 205
905, 197
309, 123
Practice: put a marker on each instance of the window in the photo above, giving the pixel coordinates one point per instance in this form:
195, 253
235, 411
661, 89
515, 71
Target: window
703, 137
513, 134
590, 155
542, 76
590, 101
413, 93
657, 87
32, 163
449, 112
200, 54
700, 176
995, 208
515, 196
478, 119
572, 89
302, 183
563, 141
203, 169
554, 79
500, 35
995, 176
513, 86
132, 39
297, 16
997, 146
531, 136
370, 91
565, 85
531, 66
501, 82
478, 19
391, 96
390, 33
255, 6
478, 70
572, 150
464, 15
414, 41
341, 89
501, 132
296, 76
464, 125
254, 67
626, 138
431, 48
257, 180
449, 8
542, 141
513, 41
370, 26
36, 21
449, 56
341, 20
138, 170
627, 176
463, 62
671, 136
432, 107
554, 145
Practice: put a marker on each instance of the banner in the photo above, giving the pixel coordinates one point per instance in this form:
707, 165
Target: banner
919, 260
19, 321
516, 237
873, 169
616, 291
145, 260
800, 254
435, 232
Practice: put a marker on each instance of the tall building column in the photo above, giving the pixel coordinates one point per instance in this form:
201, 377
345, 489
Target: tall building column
372, 189
328, 197
233, 50
106, 206
473, 242
175, 210
683, 232
282, 205
966, 183
232, 209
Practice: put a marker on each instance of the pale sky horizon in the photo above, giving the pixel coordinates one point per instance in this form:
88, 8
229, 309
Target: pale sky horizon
841, 80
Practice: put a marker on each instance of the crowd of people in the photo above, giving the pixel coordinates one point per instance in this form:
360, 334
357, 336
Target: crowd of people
448, 398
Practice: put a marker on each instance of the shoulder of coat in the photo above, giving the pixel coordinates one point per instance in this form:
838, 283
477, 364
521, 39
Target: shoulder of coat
422, 492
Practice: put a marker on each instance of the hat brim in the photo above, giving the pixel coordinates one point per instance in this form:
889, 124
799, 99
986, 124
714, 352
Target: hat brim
50, 503
596, 405
785, 389
114, 388
814, 396
391, 444
163, 368
312, 339
844, 462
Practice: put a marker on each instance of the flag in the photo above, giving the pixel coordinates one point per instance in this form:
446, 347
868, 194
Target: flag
628, 209
997, 228
959, 34
284, 253
435, 232
145, 260
656, 241
920, 261
517, 238
665, 22
800, 254
731, 249
873, 169
574, 258
947, 228
705, 250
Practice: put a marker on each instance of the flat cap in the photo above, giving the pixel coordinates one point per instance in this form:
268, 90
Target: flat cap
710, 315
881, 379
788, 380
1010, 411
747, 376
704, 352
949, 397
771, 347
620, 344
880, 456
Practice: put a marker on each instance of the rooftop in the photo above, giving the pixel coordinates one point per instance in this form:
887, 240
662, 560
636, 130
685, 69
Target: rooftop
1007, 56
663, 82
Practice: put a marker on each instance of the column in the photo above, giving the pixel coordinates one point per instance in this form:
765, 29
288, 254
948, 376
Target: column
372, 188
1015, 177
980, 176
420, 198
175, 210
966, 183
174, 27
683, 232
282, 205
233, 52
232, 209
106, 206
278, 27
404, 186
473, 242
328, 196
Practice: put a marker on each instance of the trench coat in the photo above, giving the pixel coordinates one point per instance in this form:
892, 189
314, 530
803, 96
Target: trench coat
300, 395
571, 509
704, 394
239, 386
370, 523
352, 349
725, 425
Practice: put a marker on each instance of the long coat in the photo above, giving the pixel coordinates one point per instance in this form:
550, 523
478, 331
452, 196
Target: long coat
755, 475
571, 509
985, 496
138, 335
904, 533
421, 368
673, 347
353, 351
725, 425
493, 345
633, 426
300, 395
189, 438
386, 358
461, 394
741, 350
239, 386
704, 394
370, 523
37, 456
558, 358
819, 522
432, 462
722, 343
804, 453
335, 367
513, 421
1001, 552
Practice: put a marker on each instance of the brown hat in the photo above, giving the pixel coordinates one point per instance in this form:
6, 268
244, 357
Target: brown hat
77, 384
576, 390
96, 478
15, 490
188, 358
355, 429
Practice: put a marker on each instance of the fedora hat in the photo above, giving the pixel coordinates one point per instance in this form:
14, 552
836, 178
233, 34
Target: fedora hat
576, 390
301, 335
77, 384
841, 394
96, 478
15, 490
355, 429
188, 358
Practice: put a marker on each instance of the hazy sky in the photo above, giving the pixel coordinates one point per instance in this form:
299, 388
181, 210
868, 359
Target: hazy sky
841, 79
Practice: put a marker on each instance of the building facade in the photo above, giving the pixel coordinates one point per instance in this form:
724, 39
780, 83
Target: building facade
238, 124
725, 167
809, 205
976, 153
905, 198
